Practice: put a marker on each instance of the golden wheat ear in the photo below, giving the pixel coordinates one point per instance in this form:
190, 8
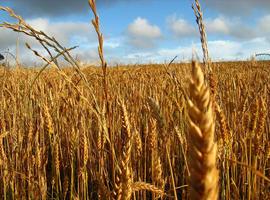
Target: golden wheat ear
203, 150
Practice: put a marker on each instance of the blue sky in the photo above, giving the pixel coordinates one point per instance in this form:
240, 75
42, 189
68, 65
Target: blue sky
143, 31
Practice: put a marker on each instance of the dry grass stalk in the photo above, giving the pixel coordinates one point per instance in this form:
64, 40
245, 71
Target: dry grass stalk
3, 157
160, 122
85, 150
57, 160
254, 117
157, 172
199, 19
258, 133
262, 117
95, 22
48, 121
137, 186
124, 189
183, 142
152, 136
225, 134
203, 149
138, 143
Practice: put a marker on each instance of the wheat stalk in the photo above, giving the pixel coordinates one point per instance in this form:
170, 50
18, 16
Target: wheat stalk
137, 186
138, 143
203, 149
199, 19
123, 189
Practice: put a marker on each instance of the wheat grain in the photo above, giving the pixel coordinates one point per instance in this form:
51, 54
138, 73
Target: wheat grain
203, 149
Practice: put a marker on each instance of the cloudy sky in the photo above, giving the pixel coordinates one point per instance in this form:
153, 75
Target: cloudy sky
143, 31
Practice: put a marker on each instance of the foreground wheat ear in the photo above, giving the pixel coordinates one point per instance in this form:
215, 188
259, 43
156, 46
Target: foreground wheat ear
203, 150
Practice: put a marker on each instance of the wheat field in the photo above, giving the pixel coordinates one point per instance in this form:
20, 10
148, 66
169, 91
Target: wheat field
58, 143
153, 131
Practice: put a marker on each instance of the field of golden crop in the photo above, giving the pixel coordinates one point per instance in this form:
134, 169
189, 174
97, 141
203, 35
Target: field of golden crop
60, 139
145, 132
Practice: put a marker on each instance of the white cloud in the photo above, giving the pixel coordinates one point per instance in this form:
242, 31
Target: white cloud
243, 41
7, 38
217, 25
236, 50
88, 55
142, 28
264, 24
234, 27
141, 57
142, 34
110, 44
224, 49
220, 26
113, 42
218, 50
41, 24
181, 27
67, 33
